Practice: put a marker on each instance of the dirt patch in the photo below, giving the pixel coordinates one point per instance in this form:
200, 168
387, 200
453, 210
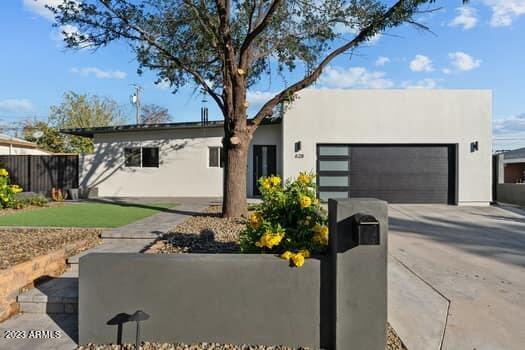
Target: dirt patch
22, 244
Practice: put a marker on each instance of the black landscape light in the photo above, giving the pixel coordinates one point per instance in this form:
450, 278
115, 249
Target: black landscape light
138, 316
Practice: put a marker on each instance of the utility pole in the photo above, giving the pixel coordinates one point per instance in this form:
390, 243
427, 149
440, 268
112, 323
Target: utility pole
135, 100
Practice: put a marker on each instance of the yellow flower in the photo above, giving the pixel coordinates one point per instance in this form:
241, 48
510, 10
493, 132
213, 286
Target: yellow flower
305, 201
275, 180
256, 220
266, 183
298, 260
286, 255
16, 189
3, 172
305, 252
270, 239
304, 178
320, 234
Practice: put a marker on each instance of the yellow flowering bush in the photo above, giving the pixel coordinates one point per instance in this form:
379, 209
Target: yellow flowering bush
7, 191
289, 222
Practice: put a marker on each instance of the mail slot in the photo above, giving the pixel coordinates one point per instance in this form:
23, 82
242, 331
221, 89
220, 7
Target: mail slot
365, 230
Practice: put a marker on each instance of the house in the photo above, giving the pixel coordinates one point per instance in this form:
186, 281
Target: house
514, 166
404, 146
14, 146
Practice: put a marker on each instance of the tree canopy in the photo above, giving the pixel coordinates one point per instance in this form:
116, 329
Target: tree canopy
154, 114
75, 111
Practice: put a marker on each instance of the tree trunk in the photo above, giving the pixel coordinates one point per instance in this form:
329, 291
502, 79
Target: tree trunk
235, 171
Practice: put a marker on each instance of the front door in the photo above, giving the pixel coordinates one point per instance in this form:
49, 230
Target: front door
264, 164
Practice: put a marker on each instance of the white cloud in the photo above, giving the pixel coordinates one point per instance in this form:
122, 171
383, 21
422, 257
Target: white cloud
446, 71
99, 73
16, 105
421, 84
257, 98
163, 85
463, 61
337, 77
421, 63
466, 18
504, 12
39, 7
514, 124
382, 60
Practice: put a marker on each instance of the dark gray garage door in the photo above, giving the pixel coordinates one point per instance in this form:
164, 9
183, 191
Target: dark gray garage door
395, 173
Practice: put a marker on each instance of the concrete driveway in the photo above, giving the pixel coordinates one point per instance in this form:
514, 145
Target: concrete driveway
457, 277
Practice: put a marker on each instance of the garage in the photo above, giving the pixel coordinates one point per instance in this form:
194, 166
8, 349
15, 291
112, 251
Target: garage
397, 173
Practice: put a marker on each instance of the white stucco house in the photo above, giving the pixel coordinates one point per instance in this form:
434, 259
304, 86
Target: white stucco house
405, 146
11, 146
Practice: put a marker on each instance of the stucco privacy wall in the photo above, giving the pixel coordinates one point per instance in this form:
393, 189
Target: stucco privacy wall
183, 158
396, 117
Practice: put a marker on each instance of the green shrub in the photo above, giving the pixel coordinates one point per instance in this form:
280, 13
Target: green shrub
7, 191
20, 202
290, 220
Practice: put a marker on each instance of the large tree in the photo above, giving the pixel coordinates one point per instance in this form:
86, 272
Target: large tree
226, 46
75, 111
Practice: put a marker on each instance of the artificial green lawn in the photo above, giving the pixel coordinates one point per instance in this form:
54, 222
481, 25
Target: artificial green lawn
85, 215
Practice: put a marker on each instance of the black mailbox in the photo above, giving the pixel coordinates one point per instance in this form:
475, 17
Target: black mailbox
365, 230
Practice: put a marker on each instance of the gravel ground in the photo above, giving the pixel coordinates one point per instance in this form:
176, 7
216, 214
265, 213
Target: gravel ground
393, 343
209, 233
21, 244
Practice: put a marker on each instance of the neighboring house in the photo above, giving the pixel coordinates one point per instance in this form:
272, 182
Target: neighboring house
405, 146
514, 166
15, 146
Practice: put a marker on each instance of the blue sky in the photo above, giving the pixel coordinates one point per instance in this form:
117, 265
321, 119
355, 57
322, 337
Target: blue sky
477, 46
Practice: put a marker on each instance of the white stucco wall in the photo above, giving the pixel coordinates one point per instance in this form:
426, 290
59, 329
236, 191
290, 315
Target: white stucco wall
183, 157
15, 150
396, 116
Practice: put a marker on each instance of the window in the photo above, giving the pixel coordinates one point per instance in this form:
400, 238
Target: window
216, 157
150, 157
146, 157
132, 157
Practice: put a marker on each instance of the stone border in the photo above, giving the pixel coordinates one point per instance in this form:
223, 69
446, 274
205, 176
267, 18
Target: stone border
17, 277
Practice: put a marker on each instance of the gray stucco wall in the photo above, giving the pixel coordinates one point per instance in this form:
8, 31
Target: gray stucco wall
511, 193
197, 297
337, 301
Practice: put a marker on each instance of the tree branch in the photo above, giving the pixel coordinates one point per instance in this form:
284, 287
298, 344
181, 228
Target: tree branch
286, 94
152, 41
252, 35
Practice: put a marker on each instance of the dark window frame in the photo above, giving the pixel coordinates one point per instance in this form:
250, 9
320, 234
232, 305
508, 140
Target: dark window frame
140, 163
220, 156
128, 157
154, 162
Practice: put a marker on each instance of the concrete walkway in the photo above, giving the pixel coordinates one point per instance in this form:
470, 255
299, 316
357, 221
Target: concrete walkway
52, 305
457, 277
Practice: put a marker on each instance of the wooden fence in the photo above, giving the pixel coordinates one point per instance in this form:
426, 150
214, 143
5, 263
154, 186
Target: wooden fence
40, 173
